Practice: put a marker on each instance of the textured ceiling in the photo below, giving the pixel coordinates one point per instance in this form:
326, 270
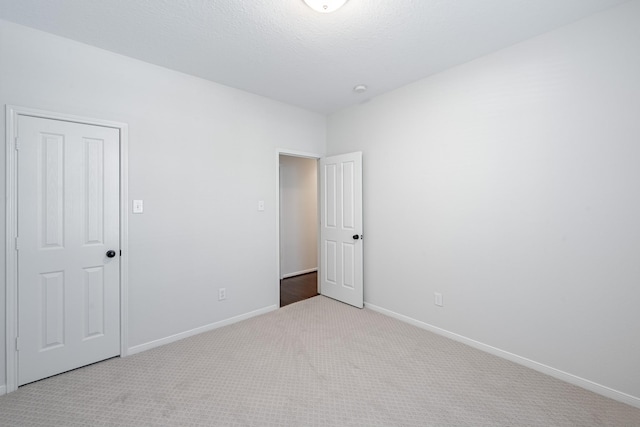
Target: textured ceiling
283, 50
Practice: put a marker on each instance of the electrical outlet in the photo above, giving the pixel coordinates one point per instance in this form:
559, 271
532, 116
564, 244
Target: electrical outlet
222, 294
138, 206
437, 299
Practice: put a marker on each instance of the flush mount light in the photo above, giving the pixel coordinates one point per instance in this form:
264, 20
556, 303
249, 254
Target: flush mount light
325, 6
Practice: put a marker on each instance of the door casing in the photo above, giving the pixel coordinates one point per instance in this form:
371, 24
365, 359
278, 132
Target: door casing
11, 222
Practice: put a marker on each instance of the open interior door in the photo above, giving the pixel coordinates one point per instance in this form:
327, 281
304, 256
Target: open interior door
341, 228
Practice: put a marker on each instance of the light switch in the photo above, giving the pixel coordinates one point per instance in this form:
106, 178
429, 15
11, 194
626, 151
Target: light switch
138, 206
261, 205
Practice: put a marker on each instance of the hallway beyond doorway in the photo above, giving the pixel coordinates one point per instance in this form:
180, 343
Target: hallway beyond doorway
298, 288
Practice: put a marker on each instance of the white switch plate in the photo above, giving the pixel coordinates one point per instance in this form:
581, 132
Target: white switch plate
261, 205
437, 299
138, 206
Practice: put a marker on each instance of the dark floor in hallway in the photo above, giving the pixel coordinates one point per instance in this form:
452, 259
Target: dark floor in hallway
298, 288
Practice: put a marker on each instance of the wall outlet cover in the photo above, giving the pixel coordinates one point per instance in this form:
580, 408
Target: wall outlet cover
138, 206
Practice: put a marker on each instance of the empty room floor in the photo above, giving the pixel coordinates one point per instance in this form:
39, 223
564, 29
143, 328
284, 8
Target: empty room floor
316, 362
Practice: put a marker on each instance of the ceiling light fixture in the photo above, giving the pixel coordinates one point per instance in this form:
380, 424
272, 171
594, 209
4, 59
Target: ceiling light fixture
325, 6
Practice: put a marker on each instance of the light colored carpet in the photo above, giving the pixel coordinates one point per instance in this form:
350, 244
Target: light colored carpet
316, 362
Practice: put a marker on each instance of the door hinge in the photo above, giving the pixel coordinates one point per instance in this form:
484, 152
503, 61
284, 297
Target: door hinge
17, 343
17, 143
17, 243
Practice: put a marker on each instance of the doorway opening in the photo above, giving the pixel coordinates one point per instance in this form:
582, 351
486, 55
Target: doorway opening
298, 227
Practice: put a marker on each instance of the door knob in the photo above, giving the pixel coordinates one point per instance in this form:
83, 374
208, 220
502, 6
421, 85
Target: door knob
356, 237
111, 254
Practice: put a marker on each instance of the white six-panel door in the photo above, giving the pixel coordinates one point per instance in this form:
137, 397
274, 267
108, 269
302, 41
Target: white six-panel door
341, 269
68, 219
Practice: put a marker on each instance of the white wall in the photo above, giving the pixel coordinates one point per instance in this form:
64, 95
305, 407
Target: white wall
511, 184
298, 215
200, 156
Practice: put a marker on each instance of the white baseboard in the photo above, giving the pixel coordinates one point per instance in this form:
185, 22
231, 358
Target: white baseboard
162, 341
553, 372
299, 273
3, 389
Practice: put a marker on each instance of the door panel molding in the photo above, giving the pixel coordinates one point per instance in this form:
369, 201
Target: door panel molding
11, 310
341, 265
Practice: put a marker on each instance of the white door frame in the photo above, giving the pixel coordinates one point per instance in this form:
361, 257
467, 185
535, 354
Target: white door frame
11, 224
292, 153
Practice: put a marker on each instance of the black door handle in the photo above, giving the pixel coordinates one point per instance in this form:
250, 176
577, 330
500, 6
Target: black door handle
356, 237
111, 254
